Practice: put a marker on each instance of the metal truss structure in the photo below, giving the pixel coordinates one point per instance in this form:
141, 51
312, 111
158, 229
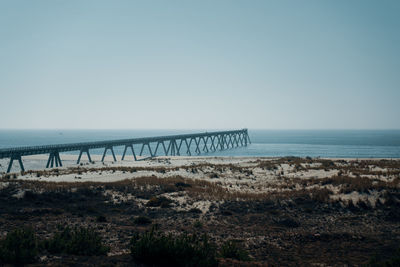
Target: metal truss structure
171, 145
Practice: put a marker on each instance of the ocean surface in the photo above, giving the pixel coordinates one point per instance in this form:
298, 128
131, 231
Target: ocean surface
302, 143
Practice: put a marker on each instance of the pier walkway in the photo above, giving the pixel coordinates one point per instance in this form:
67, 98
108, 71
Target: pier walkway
170, 145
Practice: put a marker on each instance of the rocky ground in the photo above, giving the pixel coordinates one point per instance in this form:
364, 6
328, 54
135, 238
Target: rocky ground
283, 211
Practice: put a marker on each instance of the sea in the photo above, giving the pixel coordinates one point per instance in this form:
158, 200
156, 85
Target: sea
268, 143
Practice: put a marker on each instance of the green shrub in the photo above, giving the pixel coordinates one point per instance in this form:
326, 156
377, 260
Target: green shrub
77, 241
156, 248
142, 220
19, 247
231, 249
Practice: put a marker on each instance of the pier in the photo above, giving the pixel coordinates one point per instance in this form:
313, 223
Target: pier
167, 145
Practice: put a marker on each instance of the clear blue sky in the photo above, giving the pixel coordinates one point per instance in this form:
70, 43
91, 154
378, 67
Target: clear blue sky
200, 64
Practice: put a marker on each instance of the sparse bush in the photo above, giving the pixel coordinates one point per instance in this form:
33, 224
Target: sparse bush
375, 261
182, 184
159, 202
327, 163
321, 195
364, 204
142, 220
232, 250
29, 195
156, 248
197, 224
289, 222
195, 210
169, 188
214, 175
19, 247
101, 219
77, 241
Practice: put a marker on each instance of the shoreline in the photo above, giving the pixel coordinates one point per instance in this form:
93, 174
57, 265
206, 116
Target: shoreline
38, 162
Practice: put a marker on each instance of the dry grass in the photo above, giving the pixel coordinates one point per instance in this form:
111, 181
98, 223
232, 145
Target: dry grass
316, 188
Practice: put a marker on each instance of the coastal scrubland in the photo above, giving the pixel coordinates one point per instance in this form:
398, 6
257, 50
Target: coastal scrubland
204, 211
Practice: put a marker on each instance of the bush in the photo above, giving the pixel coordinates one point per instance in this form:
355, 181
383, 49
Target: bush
19, 247
77, 241
231, 249
214, 175
288, 222
156, 248
375, 261
195, 210
142, 220
322, 195
182, 184
197, 224
159, 202
101, 219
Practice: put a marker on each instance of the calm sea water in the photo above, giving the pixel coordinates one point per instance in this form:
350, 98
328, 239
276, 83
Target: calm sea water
314, 143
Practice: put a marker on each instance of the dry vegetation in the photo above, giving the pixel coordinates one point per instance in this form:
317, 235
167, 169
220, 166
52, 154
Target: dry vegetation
283, 211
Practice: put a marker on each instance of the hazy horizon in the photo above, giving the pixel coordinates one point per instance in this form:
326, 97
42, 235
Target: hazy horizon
190, 129
200, 65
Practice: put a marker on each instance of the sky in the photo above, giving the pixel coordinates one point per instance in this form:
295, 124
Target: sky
199, 64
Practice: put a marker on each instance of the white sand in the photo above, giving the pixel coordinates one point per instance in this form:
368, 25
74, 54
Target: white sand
251, 180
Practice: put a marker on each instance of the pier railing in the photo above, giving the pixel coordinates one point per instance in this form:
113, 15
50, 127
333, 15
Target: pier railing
170, 145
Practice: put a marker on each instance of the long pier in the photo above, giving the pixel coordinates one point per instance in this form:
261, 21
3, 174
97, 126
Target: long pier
170, 145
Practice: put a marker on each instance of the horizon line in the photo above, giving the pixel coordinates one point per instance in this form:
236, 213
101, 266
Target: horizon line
202, 129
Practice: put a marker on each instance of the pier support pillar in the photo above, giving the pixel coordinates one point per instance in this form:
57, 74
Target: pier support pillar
172, 148
197, 142
229, 142
176, 148
205, 148
221, 142
15, 157
241, 138
105, 152
188, 147
54, 157
133, 152
165, 150
80, 155
148, 146
235, 140
179, 147
158, 144
226, 143
212, 147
